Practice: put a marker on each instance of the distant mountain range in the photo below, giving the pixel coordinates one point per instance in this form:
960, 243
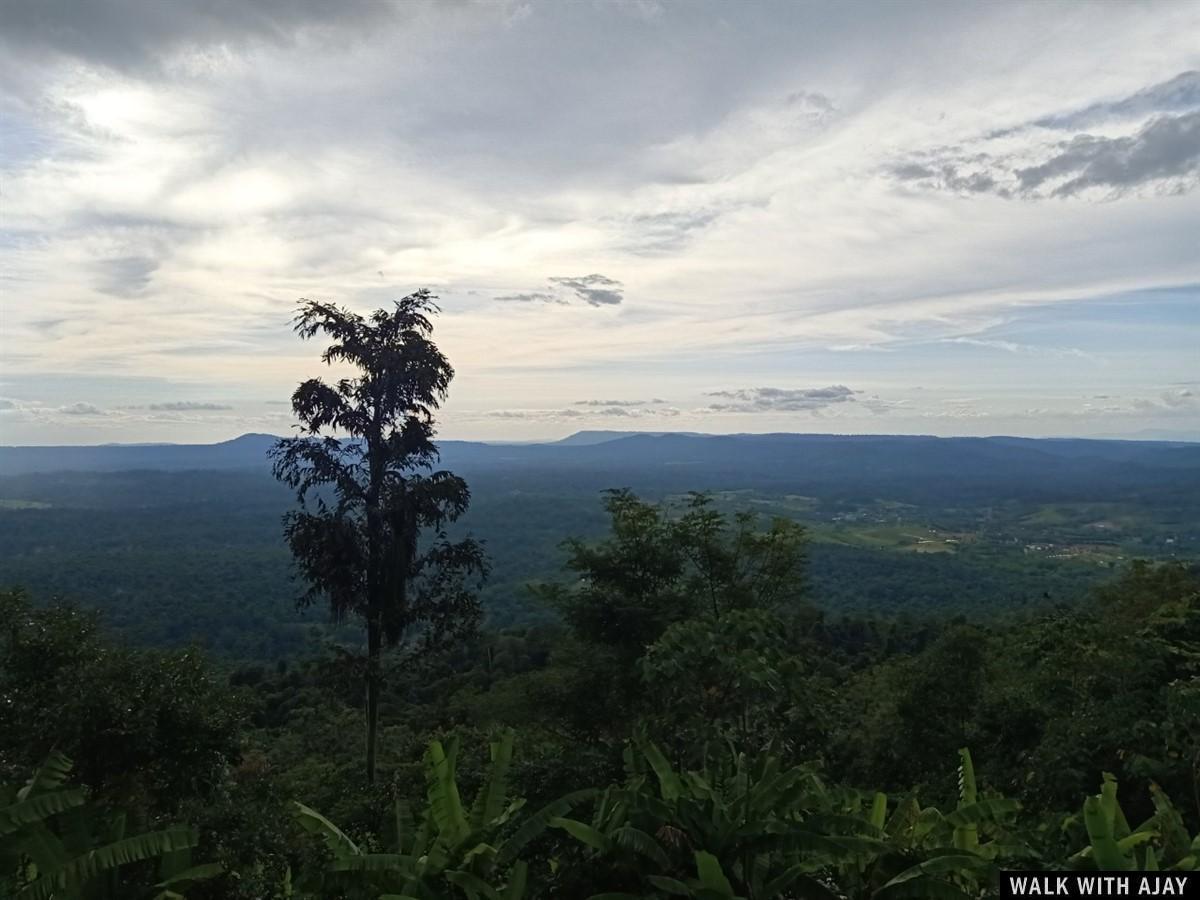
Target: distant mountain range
817, 464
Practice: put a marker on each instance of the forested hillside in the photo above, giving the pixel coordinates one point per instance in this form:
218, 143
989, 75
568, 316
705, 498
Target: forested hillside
174, 556
680, 696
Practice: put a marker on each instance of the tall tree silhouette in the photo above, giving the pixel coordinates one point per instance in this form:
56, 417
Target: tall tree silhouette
362, 469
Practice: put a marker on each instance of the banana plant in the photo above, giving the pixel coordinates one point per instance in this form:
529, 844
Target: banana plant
753, 830
453, 851
54, 845
734, 829
1161, 842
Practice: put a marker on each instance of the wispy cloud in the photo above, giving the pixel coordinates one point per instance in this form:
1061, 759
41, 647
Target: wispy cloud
188, 406
1017, 348
531, 297
772, 399
81, 409
654, 402
606, 412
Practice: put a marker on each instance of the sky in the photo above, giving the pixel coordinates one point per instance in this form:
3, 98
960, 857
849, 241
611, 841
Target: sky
855, 217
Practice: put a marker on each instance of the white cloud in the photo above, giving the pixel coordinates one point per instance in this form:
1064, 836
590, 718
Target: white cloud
716, 192
188, 406
81, 409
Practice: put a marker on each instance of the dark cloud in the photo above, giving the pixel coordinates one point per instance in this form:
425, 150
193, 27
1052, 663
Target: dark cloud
81, 409
594, 290
1180, 94
913, 172
186, 406
1167, 148
531, 297
770, 399
127, 276
957, 176
1165, 152
129, 33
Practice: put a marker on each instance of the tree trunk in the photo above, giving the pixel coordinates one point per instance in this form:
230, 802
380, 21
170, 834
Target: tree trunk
375, 553
374, 679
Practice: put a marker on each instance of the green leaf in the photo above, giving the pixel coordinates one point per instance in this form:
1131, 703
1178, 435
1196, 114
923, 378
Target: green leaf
473, 885
38, 808
83, 869
517, 879
1112, 809
536, 824
1136, 839
583, 832
966, 778
50, 775
711, 875
445, 803
947, 863
489, 803
405, 832
879, 810
669, 783
630, 838
1099, 824
313, 822
670, 885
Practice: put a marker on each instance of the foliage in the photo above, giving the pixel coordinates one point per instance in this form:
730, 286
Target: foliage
144, 729
657, 568
746, 826
757, 701
658, 571
453, 850
55, 844
1162, 841
748, 677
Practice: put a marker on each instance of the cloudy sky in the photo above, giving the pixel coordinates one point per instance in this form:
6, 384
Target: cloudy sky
948, 218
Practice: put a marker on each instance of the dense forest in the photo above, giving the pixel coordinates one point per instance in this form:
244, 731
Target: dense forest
194, 556
676, 746
753, 690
